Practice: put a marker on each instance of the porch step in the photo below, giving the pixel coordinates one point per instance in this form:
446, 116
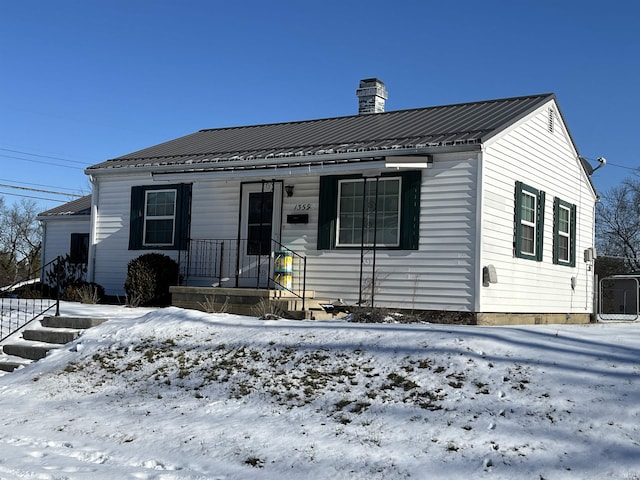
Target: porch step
80, 323
37, 342
8, 363
30, 351
247, 301
51, 335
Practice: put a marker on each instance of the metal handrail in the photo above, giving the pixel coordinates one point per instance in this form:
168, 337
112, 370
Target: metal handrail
221, 260
16, 313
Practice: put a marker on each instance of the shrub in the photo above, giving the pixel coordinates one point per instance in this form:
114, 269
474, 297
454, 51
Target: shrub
83, 292
64, 272
148, 280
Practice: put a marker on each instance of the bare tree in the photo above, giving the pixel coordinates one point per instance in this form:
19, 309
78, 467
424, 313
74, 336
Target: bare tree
618, 224
20, 240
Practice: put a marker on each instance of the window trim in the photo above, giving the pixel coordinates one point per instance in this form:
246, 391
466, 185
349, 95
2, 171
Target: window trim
559, 204
539, 195
182, 214
366, 181
411, 186
148, 217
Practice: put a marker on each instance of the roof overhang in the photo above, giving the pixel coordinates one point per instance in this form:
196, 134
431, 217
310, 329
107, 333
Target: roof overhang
414, 157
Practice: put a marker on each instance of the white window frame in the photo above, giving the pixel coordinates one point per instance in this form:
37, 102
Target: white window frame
371, 181
566, 235
148, 217
526, 223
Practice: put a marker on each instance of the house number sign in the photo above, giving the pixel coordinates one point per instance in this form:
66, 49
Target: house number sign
302, 207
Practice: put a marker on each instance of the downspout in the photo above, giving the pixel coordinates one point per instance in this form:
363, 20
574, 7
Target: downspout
477, 284
95, 193
43, 250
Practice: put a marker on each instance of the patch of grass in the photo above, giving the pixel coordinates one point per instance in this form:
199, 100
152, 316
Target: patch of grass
254, 462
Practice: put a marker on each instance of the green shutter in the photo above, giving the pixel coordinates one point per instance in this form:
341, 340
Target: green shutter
136, 218
183, 216
573, 236
540, 227
518, 220
327, 212
410, 213
556, 230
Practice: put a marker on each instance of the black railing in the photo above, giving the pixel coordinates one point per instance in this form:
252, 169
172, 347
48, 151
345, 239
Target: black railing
244, 263
17, 312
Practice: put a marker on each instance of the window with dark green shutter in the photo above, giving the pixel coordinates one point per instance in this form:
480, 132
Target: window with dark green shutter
381, 211
160, 217
529, 222
564, 233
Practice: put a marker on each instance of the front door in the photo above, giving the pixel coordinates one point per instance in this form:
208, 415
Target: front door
259, 227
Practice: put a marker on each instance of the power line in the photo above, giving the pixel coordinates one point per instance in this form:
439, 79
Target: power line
34, 197
39, 185
44, 156
41, 162
4, 185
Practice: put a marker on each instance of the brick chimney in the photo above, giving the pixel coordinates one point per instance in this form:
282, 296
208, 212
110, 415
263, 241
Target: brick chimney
371, 96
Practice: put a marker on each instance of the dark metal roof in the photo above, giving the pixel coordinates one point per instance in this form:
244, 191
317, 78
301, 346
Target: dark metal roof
78, 207
460, 124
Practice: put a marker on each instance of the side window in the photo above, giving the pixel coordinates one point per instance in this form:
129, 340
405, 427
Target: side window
160, 217
529, 222
564, 233
387, 208
79, 248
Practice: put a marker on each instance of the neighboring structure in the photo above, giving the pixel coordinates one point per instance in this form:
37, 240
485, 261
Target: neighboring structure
66, 231
482, 208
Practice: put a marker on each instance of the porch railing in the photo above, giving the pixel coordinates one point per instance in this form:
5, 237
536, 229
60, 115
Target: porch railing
16, 312
233, 263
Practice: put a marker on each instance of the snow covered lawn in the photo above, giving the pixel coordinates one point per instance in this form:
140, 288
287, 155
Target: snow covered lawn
179, 394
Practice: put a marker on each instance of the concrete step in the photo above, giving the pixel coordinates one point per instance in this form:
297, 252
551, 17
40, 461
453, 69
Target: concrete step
80, 323
10, 363
51, 335
31, 351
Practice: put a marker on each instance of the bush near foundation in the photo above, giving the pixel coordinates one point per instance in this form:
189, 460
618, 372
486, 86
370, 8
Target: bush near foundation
148, 280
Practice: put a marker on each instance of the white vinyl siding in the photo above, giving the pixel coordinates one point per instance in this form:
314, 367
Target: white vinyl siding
547, 161
57, 235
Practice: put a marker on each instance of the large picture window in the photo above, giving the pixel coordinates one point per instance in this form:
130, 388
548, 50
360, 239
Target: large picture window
383, 211
529, 222
370, 208
159, 217
564, 233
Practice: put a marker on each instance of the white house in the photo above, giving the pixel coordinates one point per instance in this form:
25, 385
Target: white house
66, 231
482, 208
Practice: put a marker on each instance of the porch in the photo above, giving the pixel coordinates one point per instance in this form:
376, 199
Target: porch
246, 277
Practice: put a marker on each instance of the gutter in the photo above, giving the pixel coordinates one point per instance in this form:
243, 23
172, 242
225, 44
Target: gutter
282, 161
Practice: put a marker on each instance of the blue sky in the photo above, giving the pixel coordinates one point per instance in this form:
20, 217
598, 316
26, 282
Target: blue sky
85, 81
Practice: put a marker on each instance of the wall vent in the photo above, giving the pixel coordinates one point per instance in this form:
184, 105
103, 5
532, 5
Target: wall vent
551, 119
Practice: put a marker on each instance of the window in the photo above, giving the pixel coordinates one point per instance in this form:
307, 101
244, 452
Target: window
349, 211
79, 248
369, 207
159, 217
529, 222
564, 233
